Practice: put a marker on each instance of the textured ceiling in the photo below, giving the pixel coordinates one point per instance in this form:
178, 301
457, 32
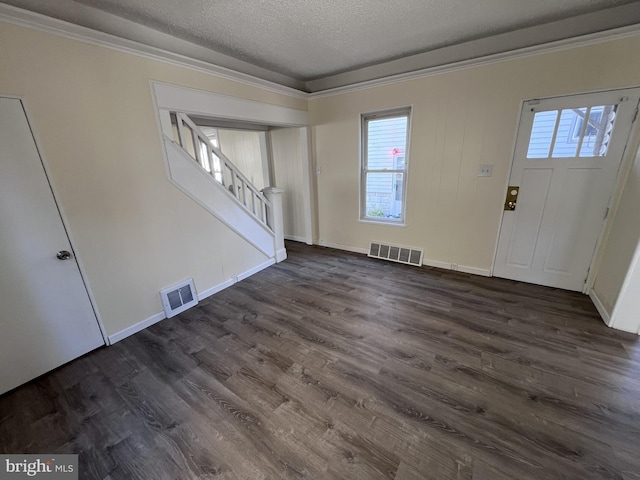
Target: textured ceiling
311, 39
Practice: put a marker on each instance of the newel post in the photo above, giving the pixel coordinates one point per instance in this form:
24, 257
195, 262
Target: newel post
275, 219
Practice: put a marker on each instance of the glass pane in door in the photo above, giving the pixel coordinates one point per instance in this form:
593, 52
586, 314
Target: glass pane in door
566, 144
544, 124
597, 136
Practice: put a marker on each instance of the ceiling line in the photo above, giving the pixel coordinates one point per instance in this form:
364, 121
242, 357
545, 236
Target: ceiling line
555, 46
37, 21
26, 18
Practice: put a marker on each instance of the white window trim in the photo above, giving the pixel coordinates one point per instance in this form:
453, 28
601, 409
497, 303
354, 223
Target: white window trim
364, 117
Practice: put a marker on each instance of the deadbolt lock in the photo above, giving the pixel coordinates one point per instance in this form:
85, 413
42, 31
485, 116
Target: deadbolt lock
512, 198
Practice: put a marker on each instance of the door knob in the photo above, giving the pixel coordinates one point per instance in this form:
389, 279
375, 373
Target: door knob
63, 255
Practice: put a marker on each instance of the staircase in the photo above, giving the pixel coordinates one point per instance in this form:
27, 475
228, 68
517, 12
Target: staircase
204, 173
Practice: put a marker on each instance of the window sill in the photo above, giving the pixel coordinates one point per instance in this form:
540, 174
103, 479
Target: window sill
392, 223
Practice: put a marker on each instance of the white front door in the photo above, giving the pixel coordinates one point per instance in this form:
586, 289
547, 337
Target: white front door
567, 156
46, 318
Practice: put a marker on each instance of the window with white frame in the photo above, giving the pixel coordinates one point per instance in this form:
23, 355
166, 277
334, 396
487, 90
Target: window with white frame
385, 138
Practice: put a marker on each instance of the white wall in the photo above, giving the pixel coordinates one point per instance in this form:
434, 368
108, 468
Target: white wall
288, 155
92, 112
618, 254
243, 149
133, 231
626, 314
461, 119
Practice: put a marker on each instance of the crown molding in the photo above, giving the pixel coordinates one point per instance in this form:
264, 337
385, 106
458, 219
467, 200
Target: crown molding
556, 33
352, 81
26, 18
556, 46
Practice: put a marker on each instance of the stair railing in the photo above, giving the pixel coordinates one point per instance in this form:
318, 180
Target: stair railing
215, 163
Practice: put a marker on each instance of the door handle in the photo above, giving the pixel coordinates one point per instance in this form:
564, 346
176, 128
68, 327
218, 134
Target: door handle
63, 255
512, 198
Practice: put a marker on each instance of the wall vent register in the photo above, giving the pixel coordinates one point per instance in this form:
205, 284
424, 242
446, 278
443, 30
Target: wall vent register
395, 253
178, 298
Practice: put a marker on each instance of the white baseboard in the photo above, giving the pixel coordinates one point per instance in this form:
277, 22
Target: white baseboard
606, 316
122, 334
625, 329
461, 268
257, 269
483, 272
430, 263
215, 289
436, 263
281, 255
127, 332
346, 248
295, 238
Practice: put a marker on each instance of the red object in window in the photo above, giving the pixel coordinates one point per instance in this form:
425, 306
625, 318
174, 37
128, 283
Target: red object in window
395, 151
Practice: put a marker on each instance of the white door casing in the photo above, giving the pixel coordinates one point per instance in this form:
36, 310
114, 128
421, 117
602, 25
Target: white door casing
565, 186
47, 318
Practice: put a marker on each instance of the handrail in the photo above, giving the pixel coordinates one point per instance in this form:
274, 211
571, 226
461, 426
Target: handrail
237, 186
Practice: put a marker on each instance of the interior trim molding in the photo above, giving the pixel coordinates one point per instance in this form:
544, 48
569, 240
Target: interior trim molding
426, 262
346, 248
127, 332
461, 268
555, 46
483, 272
153, 319
606, 316
26, 18
254, 270
215, 289
295, 238
209, 104
435, 264
323, 87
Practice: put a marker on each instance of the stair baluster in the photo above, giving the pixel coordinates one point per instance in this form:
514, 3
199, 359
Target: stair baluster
200, 148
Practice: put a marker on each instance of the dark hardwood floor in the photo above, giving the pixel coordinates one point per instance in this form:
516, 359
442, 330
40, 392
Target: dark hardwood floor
331, 365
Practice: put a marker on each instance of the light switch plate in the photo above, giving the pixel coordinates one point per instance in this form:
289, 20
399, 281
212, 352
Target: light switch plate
485, 171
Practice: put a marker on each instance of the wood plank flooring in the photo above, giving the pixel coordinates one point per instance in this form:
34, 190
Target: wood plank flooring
331, 365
